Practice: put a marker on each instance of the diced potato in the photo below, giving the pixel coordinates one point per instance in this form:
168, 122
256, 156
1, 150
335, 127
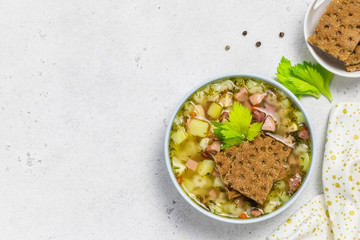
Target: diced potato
178, 167
280, 185
198, 127
188, 185
201, 181
284, 197
227, 100
218, 183
226, 207
235, 210
205, 167
214, 110
179, 136
232, 208
270, 207
300, 117
305, 161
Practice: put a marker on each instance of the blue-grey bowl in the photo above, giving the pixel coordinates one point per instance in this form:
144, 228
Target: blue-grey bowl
263, 217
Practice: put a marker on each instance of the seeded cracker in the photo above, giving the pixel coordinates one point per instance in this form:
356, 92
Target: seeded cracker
223, 161
354, 57
282, 174
338, 31
257, 166
353, 68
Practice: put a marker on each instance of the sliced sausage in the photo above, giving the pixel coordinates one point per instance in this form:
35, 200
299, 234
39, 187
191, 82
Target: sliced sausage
242, 95
215, 173
269, 124
212, 194
214, 148
257, 98
258, 116
295, 182
224, 115
256, 212
239, 201
304, 133
247, 104
191, 164
206, 155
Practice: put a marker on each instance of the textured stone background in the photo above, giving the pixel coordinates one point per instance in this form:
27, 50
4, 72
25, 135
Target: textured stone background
87, 89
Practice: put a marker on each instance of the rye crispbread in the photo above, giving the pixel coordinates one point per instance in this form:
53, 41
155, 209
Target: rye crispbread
223, 161
282, 174
231, 193
354, 57
256, 167
338, 31
353, 68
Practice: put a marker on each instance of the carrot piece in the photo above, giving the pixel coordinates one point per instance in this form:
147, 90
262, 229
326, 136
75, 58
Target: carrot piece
243, 216
179, 180
193, 114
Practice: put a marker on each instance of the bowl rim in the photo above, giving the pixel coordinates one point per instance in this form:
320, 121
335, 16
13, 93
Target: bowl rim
317, 57
233, 220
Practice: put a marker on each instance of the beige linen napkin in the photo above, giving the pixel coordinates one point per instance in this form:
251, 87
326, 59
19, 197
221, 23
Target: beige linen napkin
336, 213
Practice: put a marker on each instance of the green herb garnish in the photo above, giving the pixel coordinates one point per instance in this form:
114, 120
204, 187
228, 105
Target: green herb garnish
237, 129
305, 79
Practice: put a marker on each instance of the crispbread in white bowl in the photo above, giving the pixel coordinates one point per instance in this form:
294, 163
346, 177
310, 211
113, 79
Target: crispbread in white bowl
312, 17
263, 217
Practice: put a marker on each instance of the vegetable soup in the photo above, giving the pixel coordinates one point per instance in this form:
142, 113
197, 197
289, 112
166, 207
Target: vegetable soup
210, 125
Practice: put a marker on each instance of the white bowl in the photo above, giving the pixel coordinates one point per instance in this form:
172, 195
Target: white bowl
312, 18
263, 217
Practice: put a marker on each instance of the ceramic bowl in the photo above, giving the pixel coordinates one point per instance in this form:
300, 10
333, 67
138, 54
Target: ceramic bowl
315, 11
263, 217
